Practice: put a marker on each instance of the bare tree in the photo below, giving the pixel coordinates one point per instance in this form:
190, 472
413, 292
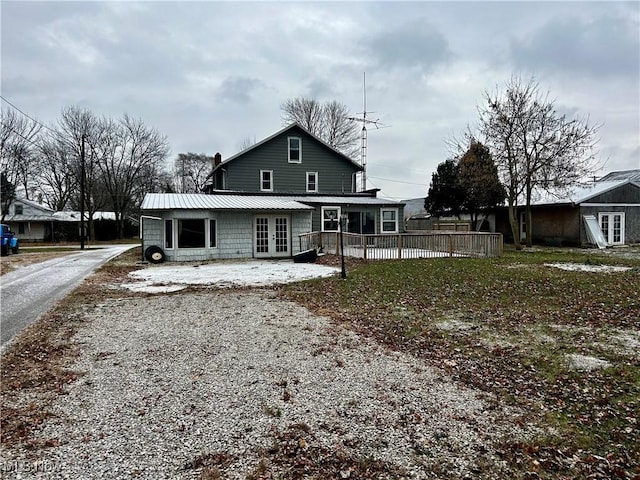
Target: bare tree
534, 147
247, 142
340, 132
191, 171
128, 149
80, 133
57, 184
308, 112
329, 121
18, 138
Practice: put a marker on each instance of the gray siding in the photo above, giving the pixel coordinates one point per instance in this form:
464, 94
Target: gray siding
335, 174
234, 233
628, 193
631, 220
346, 209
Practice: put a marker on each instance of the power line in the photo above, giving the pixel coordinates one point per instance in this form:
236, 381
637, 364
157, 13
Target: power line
19, 134
400, 181
26, 115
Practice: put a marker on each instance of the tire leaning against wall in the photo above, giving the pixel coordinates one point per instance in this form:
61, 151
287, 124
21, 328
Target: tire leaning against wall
154, 254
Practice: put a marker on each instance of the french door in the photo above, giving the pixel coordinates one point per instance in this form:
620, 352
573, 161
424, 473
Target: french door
272, 236
612, 226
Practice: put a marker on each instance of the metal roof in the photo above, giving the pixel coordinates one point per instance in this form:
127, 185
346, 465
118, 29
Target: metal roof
345, 200
581, 195
633, 175
201, 201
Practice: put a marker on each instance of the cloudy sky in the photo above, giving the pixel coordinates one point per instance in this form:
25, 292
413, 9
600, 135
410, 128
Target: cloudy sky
210, 75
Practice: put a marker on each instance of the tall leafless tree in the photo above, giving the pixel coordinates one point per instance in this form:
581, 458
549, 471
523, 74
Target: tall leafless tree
57, 183
329, 121
191, 171
128, 149
18, 142
534, 147
80, 132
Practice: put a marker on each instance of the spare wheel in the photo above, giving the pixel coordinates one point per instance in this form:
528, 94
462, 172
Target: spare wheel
154, 254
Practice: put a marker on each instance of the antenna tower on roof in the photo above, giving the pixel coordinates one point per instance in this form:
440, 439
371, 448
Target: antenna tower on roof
363, 135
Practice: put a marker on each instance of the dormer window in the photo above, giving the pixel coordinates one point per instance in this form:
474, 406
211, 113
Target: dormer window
295, 150
17, 209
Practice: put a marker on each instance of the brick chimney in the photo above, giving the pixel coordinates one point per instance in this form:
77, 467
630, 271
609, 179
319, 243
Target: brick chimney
217, 159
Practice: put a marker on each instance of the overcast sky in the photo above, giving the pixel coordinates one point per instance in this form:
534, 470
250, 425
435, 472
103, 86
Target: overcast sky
209, 75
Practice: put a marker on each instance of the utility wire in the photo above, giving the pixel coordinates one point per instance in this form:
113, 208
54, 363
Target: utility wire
19, 134
28, 116
399, 181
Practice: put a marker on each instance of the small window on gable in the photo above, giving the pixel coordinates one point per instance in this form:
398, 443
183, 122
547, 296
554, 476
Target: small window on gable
295, 150
17, 209
389, 220
266, 180
312, 181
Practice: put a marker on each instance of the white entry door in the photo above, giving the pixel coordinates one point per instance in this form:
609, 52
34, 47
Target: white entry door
272, 236
612, 226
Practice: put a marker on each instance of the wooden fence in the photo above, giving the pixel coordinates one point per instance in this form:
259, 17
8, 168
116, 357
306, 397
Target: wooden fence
407, 245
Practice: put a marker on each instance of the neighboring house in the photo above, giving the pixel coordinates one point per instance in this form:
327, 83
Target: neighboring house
31, 221
614, 201
261, 199
34, 222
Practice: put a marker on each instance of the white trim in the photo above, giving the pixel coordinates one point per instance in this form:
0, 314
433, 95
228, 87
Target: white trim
215, 222
609, 232
270, 189
522, 224
271, 236
322, 218
164, 234
383, 221
299, 160
610, 204
315, 174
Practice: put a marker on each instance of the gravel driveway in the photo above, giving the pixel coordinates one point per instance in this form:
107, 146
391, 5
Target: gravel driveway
215, 385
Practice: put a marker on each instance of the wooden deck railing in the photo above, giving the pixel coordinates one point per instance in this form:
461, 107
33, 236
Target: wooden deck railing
408, 245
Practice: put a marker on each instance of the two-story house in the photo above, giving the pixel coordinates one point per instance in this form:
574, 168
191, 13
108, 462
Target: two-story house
259, 200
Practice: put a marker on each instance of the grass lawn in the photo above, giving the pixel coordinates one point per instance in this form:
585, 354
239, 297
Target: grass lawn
564, 346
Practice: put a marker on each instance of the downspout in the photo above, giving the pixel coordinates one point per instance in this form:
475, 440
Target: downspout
142, 217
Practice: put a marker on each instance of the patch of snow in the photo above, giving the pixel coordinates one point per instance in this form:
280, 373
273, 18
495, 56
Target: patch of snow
629, 340
585, 362
252, 273
579, 267
458, 325
149, 287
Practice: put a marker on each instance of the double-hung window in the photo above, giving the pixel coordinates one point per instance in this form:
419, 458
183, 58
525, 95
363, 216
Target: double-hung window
389, 220
312, 181
295, 149
266, 180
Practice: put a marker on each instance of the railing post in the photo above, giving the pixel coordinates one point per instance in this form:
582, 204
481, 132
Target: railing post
364, 246
399, 247
450, 245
